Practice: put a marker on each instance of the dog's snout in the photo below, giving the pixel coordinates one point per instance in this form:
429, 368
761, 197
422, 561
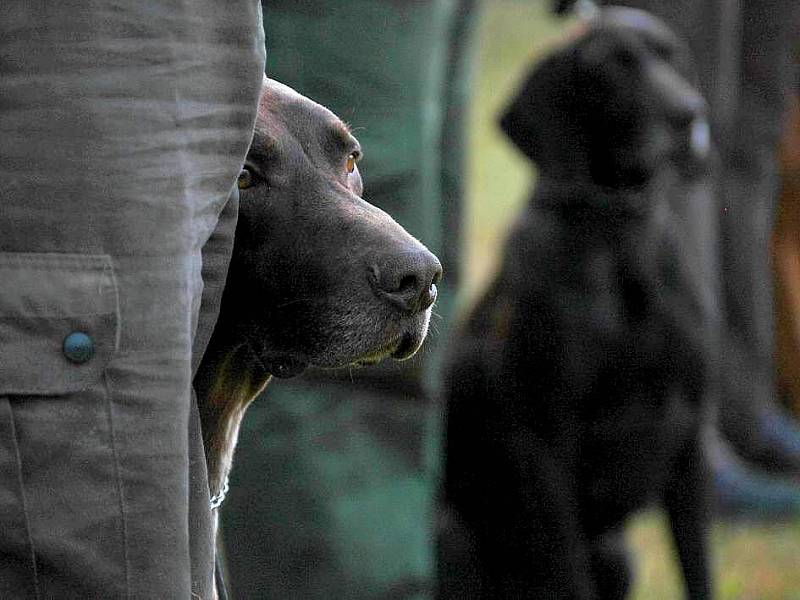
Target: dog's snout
407, 280
684, 110
682, 116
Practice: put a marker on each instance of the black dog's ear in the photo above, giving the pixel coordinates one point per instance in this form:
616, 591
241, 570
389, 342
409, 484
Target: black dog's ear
544, 119
562, 7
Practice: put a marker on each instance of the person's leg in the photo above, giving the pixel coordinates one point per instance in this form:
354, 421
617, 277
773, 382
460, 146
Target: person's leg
122, 130
216, 254
741, 491
749, 195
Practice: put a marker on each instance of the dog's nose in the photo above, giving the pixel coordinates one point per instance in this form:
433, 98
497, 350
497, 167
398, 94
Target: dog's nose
686, 111
407, 279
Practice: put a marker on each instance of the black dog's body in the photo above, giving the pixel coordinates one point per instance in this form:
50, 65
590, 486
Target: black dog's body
575, 391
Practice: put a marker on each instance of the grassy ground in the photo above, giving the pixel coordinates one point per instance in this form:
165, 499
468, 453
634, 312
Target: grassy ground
752, 562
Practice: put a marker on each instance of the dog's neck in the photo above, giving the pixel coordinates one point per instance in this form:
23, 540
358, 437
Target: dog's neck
555, 193
227, 380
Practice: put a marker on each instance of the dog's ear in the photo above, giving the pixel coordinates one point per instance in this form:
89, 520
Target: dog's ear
544, 119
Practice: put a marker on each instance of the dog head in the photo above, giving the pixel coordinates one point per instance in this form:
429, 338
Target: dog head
612, 106
318, 275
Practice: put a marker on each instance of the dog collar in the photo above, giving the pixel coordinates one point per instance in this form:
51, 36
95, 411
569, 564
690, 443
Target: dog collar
218, 498
563, 195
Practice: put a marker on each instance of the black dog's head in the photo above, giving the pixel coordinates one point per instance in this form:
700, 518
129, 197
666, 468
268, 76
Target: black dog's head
319, 276
612, 106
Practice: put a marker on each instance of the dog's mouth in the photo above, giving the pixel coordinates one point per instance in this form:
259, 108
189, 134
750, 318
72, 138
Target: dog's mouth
287, 363
401, 347
373, 358
286, 366
411, 342
692, 143
353, 338
700, 138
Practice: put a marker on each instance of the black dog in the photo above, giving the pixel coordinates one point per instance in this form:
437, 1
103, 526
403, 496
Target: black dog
575, 390
318, 276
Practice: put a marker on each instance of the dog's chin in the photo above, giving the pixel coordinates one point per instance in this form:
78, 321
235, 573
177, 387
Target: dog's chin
687, 148
400, 343
409, 345
350, 346
401, 348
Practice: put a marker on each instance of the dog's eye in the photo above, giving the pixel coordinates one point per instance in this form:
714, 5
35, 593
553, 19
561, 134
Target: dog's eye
245, 179
662, 50
624, 57
351, 162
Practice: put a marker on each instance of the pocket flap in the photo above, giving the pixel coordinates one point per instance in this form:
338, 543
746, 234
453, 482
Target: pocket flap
59, 321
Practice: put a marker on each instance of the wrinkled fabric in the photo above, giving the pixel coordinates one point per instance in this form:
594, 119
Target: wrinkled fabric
122, 130
216, 256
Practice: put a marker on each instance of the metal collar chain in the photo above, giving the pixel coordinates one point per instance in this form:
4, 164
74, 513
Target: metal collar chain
217, 499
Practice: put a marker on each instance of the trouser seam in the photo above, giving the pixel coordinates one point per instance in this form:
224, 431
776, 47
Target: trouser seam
23, 500
120, 491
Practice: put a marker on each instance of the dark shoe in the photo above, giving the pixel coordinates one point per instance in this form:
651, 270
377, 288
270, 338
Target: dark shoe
741, 490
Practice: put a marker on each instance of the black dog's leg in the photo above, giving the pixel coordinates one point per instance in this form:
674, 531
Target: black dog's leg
611, 565
458, 569
685, 502
553, 558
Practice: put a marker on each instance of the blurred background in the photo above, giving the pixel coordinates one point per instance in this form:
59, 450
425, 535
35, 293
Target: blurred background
334, 486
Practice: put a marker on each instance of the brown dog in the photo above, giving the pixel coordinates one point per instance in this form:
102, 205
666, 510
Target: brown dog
318, 276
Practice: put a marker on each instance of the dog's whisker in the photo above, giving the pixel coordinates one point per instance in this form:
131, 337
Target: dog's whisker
295, 301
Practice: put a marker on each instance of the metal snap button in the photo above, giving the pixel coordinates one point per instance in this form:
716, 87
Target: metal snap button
78, 347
